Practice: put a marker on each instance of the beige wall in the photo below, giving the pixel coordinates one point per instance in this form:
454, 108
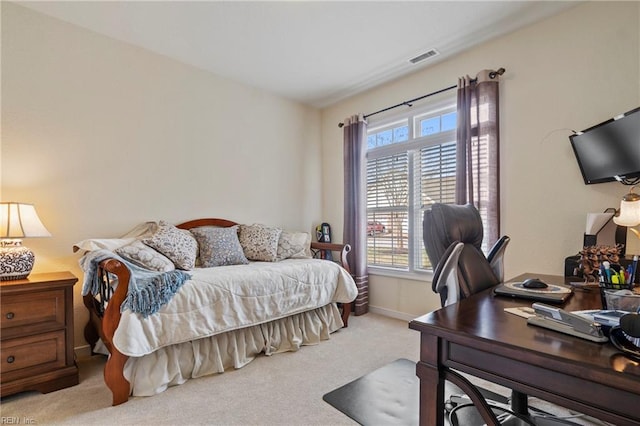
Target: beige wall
571, 71
101, 136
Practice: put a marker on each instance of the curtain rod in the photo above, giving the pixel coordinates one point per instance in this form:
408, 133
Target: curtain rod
492, 74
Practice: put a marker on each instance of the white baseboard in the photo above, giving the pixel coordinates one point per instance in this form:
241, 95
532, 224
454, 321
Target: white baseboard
393, 314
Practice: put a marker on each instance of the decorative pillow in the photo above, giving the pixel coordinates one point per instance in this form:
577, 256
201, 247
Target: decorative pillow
177, 244
260, 242
294, 245
143, 255
219, 246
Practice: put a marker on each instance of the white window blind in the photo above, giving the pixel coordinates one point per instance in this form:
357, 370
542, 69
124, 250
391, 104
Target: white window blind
387, 210
436, 175
410, 165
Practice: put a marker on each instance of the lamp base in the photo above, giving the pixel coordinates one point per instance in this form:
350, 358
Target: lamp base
15, 263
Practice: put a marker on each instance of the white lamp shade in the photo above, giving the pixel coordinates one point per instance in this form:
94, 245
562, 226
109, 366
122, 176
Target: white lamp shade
19, 220
629, 213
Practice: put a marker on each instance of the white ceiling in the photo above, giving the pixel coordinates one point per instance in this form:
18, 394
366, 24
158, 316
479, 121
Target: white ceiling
314, 52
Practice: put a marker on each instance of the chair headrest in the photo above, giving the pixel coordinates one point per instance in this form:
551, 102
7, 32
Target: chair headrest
457, 223
446, 224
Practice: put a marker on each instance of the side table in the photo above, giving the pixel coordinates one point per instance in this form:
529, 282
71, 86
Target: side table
36, 340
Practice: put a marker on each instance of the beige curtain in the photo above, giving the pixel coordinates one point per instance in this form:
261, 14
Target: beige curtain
355, 209
477, 154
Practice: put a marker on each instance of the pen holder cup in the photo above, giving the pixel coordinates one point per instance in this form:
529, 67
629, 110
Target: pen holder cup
621, 299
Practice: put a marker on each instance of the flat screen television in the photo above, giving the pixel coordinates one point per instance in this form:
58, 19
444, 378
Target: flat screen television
610, 150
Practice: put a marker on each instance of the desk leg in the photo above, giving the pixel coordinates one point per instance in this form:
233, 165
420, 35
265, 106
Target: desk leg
431, 382
432, 374
431, 395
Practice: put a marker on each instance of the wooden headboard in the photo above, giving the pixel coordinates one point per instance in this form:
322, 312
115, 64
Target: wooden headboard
223, 223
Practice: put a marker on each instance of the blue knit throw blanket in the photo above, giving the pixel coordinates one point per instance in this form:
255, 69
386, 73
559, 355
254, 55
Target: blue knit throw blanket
148, 290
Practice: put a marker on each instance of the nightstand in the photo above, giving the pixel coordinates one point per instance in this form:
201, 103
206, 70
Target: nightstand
36, 340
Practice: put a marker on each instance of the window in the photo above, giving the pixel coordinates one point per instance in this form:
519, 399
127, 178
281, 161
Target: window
411, 164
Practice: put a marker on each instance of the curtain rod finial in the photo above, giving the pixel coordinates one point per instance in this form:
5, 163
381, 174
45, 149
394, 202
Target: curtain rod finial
340, 125
494, 74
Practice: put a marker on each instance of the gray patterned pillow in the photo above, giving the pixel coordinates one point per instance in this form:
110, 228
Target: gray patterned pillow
143, 255
294, 245
177, 244
260, 242
219, 246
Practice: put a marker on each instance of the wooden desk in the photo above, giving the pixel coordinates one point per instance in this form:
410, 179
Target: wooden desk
476, 336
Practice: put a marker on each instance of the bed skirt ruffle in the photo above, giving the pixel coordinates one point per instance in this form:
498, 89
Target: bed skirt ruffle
174, 365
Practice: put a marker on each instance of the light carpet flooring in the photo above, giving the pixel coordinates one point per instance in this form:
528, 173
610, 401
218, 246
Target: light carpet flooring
283, 389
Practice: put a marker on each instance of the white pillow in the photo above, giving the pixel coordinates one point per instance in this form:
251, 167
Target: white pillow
294, 245
141, 254
111, 244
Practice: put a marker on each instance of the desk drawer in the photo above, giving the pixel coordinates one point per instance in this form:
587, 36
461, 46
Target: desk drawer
22, 356
41, 309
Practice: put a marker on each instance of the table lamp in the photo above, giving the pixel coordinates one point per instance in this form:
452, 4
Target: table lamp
18, 220
629, 213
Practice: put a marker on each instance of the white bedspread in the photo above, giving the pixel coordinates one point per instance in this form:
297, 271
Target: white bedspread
226, 298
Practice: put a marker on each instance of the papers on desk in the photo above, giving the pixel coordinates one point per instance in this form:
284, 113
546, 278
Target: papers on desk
521, 311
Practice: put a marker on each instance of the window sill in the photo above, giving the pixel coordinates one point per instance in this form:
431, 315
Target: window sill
405, 275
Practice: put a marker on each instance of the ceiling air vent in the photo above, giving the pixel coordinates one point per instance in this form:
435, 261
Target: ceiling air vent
428, 54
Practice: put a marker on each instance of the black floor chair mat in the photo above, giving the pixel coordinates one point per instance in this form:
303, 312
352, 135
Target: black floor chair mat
389, 395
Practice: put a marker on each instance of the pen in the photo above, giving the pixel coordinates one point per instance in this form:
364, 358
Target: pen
607, 270
634, 268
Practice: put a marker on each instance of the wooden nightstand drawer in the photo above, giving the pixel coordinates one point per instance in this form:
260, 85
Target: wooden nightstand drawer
42, 310
39, 353
36, 333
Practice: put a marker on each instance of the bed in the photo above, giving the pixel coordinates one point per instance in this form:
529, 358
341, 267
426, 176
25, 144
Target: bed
219, 318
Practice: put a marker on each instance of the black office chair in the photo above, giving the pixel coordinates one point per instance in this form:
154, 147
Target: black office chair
452, 237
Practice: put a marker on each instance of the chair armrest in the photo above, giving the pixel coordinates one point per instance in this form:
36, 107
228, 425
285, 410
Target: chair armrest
445, 276
496, 257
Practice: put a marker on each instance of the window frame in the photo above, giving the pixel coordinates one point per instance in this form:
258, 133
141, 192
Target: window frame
412, 147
